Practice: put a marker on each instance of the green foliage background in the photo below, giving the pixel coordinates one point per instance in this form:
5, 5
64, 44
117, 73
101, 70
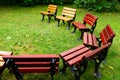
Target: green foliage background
98, 5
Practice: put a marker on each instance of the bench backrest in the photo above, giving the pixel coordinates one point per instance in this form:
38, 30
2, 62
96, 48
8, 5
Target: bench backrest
52, 8
102, 49
69, 12
90, 19
107, 35
35, 63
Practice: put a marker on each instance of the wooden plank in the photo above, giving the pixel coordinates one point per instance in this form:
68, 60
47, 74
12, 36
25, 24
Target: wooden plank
98, 50
107, 37
35, 69
92, 16
110, 31
90, 40
68, 12
34, 64
2, 53
95, 43
85, 39
33, 56
1, 64
86, 20
70, 9
65, 53
103, 38
77, 53
79, 58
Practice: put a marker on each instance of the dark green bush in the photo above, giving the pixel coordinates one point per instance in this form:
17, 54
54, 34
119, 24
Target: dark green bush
33, 2
97, 5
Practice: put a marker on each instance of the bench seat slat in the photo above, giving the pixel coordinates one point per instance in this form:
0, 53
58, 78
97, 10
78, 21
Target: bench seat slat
80, 25
79, 58
95, 41
77, 53
64, 18
65, 53
2, 53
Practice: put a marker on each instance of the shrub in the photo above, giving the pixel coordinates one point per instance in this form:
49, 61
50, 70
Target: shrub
97, 5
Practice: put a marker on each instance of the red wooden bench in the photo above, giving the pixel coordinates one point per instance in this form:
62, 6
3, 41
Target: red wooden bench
2, 62
76, 58
51, 12
68, 15
106, 35
88, 24
40, 63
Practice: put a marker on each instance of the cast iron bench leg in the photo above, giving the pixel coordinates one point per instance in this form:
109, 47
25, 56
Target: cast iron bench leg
63, 70
98, 62
43, 17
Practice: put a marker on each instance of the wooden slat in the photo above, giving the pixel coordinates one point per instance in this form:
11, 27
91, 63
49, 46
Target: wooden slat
65, 53
110, 31
80, 25
1, 61
86, 20
2, 53
85, 39
95, 43
107, 37
75, 60
77, 53
70, 9
90, 39
34, 64
103, 38
1, 64
98, 50
91, 15
68, 15
68, 12
50, 5
33, 56
35, 69
79, 58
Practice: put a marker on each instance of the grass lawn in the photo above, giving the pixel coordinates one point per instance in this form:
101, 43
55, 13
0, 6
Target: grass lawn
22, 32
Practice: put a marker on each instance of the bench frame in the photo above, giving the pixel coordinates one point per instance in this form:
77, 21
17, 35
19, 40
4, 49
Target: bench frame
52, 12
68, 15
46, 63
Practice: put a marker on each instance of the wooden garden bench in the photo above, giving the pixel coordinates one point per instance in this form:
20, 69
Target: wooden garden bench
40, 63
106, 35
88, 24
68, 15
51, 12
2, 62
77, 57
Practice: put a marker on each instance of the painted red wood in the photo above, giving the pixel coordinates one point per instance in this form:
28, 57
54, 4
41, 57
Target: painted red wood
35, 69
65, 53
110, 31
90, 40
77, 53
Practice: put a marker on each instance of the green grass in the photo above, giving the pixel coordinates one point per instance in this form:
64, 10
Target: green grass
22, 32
